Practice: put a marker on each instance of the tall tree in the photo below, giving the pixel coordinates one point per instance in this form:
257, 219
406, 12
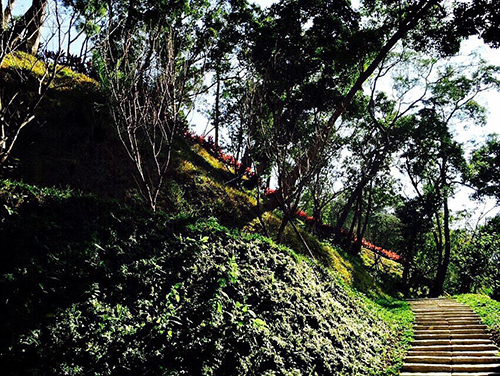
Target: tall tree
435, 160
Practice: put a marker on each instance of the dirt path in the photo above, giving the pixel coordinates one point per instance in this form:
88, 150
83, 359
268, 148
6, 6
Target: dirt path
450, 340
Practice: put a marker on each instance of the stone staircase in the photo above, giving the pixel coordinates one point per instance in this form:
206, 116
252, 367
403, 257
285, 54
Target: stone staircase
450, 340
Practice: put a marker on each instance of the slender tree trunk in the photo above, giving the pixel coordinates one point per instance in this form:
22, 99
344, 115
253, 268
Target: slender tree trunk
281, 230
366, 178
438, 286
347, 207
361, 233
438, 238
408, 262
353, 223
259, 212
317, 220
217, 107
356, 246
7, 13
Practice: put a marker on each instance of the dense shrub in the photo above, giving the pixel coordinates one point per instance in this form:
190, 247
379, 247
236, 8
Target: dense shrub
89, 287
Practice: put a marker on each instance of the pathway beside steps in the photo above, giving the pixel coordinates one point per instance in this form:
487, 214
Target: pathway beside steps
450, 340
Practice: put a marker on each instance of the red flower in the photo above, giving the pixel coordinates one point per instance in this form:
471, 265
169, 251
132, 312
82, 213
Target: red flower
270, 192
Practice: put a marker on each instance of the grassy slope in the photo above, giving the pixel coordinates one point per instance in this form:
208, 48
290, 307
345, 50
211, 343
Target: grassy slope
487, 308
100, 283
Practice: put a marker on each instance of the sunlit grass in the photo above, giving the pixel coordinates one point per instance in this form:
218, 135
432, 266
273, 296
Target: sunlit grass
64, 79
487, 308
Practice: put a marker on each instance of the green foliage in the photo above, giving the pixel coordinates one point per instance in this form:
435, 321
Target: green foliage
20, 63
104, 289
487, 308
475, 262
484, 168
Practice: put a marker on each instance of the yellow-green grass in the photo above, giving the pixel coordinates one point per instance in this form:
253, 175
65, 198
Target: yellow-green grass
65, 78
487, 308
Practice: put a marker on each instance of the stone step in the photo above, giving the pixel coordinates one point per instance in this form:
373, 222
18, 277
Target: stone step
485, 347
449, 327
421, 367
440, 309
453, 336
446, 323
477, 367
450, 331
425, 374
449, 347
431, 342
451, 353
453, 359
459, 319
443, 312
427, 367
475, 360
475, 321
450, 340
450, 374
455, 329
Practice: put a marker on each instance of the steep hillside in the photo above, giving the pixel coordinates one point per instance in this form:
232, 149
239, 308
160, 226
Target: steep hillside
98, 286
101, 288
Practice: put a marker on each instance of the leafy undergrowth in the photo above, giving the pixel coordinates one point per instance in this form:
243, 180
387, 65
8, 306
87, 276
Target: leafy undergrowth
370, 273
487, 308
94, 287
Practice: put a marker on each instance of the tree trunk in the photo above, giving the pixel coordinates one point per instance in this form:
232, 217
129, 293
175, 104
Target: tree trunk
347, 207
27, 29
217, 107
362, 231
438, 286
408, 261
34, 29
7, 13
353, 223
281, 230
356, 246
317, 220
